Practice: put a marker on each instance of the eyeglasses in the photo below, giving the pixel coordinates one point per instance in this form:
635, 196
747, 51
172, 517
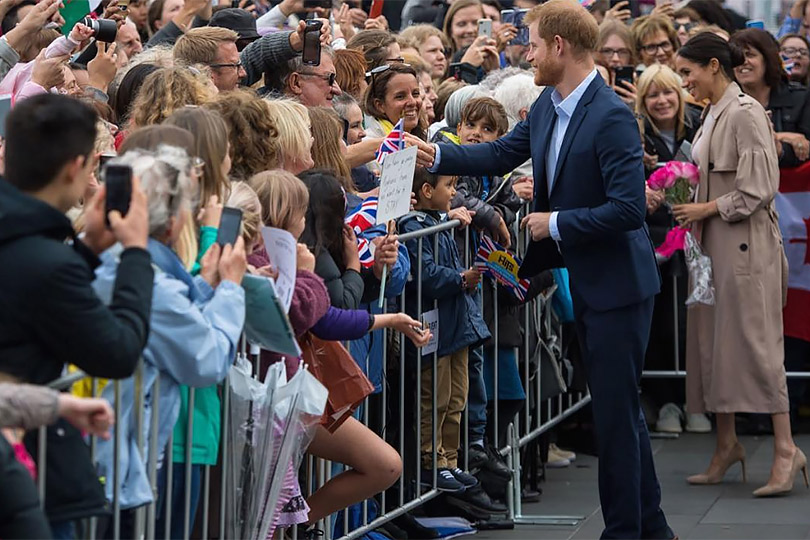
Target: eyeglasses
235, 66
328, 77
652, 48
794, 51
623, 54
685, 26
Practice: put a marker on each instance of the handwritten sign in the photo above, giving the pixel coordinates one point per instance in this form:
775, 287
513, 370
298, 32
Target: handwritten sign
282, 250
431, 321
396, 184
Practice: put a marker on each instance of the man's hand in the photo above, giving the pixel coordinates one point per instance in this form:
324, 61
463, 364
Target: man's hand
91, 415
425, 153
132, 230
524, 188
537, 223
297, 37
96, 234
462, 214
233, 262
654, 199
49, 72
101, 69
385, 253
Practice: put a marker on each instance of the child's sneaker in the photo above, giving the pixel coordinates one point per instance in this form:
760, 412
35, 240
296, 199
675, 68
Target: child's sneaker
465, 478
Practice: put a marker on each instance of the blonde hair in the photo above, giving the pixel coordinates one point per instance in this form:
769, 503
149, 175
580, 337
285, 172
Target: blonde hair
711, 28
200, 45
243, 197
294, 129
326, 150
167, 90
664, 78
419, 33
418, 64
283, 197
567, 19
253, 132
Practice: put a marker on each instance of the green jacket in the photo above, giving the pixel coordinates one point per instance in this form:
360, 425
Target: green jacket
207, 409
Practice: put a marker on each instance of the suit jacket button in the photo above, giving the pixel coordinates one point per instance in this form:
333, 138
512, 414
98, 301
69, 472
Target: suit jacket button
743, 247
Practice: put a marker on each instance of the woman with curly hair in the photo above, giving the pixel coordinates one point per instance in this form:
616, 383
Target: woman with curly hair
167, 90
252, 132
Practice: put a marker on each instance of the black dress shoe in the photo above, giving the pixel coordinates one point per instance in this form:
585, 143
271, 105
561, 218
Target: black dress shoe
490, 460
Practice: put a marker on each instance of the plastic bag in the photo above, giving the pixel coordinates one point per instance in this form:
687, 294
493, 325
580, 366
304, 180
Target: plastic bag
700, 272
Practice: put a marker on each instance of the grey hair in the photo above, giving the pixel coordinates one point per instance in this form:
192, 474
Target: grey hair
164, 176
496, 77
296, 65
456, 102
343, 103
517, 93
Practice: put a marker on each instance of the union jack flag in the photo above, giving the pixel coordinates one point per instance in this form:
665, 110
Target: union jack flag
503, 270
393, 142
787, 63
360, 219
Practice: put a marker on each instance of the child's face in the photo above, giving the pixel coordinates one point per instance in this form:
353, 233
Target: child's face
298, 225
439, 198
480, 131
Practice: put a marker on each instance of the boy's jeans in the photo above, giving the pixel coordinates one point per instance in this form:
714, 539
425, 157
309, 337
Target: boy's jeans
451, 397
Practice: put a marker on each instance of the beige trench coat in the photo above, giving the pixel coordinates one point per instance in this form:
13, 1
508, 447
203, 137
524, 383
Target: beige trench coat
734, 349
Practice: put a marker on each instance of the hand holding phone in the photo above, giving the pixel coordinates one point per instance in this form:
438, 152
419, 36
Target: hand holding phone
311, 55
485, 28
230, 224
624, 74
118, 182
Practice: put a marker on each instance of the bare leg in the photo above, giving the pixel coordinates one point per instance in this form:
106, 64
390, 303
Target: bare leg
726, 452
375, 466
783, 449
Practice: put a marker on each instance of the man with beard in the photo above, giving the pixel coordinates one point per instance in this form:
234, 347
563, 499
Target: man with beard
589, 208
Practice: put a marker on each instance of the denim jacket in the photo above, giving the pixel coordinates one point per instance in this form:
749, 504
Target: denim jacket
193, 340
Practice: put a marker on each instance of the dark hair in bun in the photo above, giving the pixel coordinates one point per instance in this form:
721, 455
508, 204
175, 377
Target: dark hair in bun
706, 45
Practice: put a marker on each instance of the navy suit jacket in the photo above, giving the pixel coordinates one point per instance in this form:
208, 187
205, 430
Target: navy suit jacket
598, 192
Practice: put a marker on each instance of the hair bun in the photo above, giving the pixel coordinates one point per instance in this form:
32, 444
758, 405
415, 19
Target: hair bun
736, 54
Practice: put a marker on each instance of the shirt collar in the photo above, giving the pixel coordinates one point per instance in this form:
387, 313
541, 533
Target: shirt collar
569, 104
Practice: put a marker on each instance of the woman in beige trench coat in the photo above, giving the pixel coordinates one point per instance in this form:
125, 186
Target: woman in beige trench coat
734, 352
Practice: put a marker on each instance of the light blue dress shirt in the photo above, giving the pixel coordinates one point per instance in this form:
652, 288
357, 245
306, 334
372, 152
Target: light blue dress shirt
565, 110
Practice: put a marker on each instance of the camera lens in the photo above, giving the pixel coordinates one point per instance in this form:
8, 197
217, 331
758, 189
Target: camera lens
103, 29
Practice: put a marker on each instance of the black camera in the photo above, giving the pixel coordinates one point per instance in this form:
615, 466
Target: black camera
103, 29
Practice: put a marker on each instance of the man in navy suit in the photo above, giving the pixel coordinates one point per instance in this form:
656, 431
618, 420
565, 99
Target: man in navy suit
589, 208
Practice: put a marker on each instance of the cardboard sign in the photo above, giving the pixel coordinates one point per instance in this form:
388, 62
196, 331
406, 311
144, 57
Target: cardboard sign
431, 321
282, 250
396, 185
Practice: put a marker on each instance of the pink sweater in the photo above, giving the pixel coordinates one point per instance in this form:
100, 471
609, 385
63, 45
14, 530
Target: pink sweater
18, 80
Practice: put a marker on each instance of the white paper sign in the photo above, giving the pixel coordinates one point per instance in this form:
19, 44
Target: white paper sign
282, 251
396, 185
431, 320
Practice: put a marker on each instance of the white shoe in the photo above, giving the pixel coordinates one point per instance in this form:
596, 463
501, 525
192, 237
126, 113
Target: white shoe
669, 419
556, 461
698, 423
565, 454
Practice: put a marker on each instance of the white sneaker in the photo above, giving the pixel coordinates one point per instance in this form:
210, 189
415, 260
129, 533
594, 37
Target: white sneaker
556, 461
565, 454
698, 423
669, 419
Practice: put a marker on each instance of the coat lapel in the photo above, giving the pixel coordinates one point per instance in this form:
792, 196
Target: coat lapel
545, 112
574, 124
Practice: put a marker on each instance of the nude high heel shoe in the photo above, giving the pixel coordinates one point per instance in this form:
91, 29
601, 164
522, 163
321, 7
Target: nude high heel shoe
738, 454
799, 464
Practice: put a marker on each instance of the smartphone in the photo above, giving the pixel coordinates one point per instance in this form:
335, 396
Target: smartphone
323, 4
376, 9
229, 225
522, 37
624, 73
632, 5
755, 23
118, 183
507, 16
485, 27
234, 3
5, 108
311, 56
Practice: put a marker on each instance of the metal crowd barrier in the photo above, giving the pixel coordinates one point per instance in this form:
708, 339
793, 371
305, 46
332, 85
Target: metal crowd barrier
538, 416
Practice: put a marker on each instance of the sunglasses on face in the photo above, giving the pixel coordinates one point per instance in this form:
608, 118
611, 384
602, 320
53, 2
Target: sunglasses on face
328, 77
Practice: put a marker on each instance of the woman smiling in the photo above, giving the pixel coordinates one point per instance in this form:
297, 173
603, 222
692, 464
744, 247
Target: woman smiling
393, 93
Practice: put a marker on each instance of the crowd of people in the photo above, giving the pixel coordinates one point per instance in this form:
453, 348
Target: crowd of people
214, 106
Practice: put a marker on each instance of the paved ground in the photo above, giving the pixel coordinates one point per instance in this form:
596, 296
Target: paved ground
725, 511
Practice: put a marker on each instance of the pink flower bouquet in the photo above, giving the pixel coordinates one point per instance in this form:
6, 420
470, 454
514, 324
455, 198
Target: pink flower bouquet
677, 179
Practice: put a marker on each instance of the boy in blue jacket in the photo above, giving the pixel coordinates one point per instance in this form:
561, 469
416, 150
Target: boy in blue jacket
461, 326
